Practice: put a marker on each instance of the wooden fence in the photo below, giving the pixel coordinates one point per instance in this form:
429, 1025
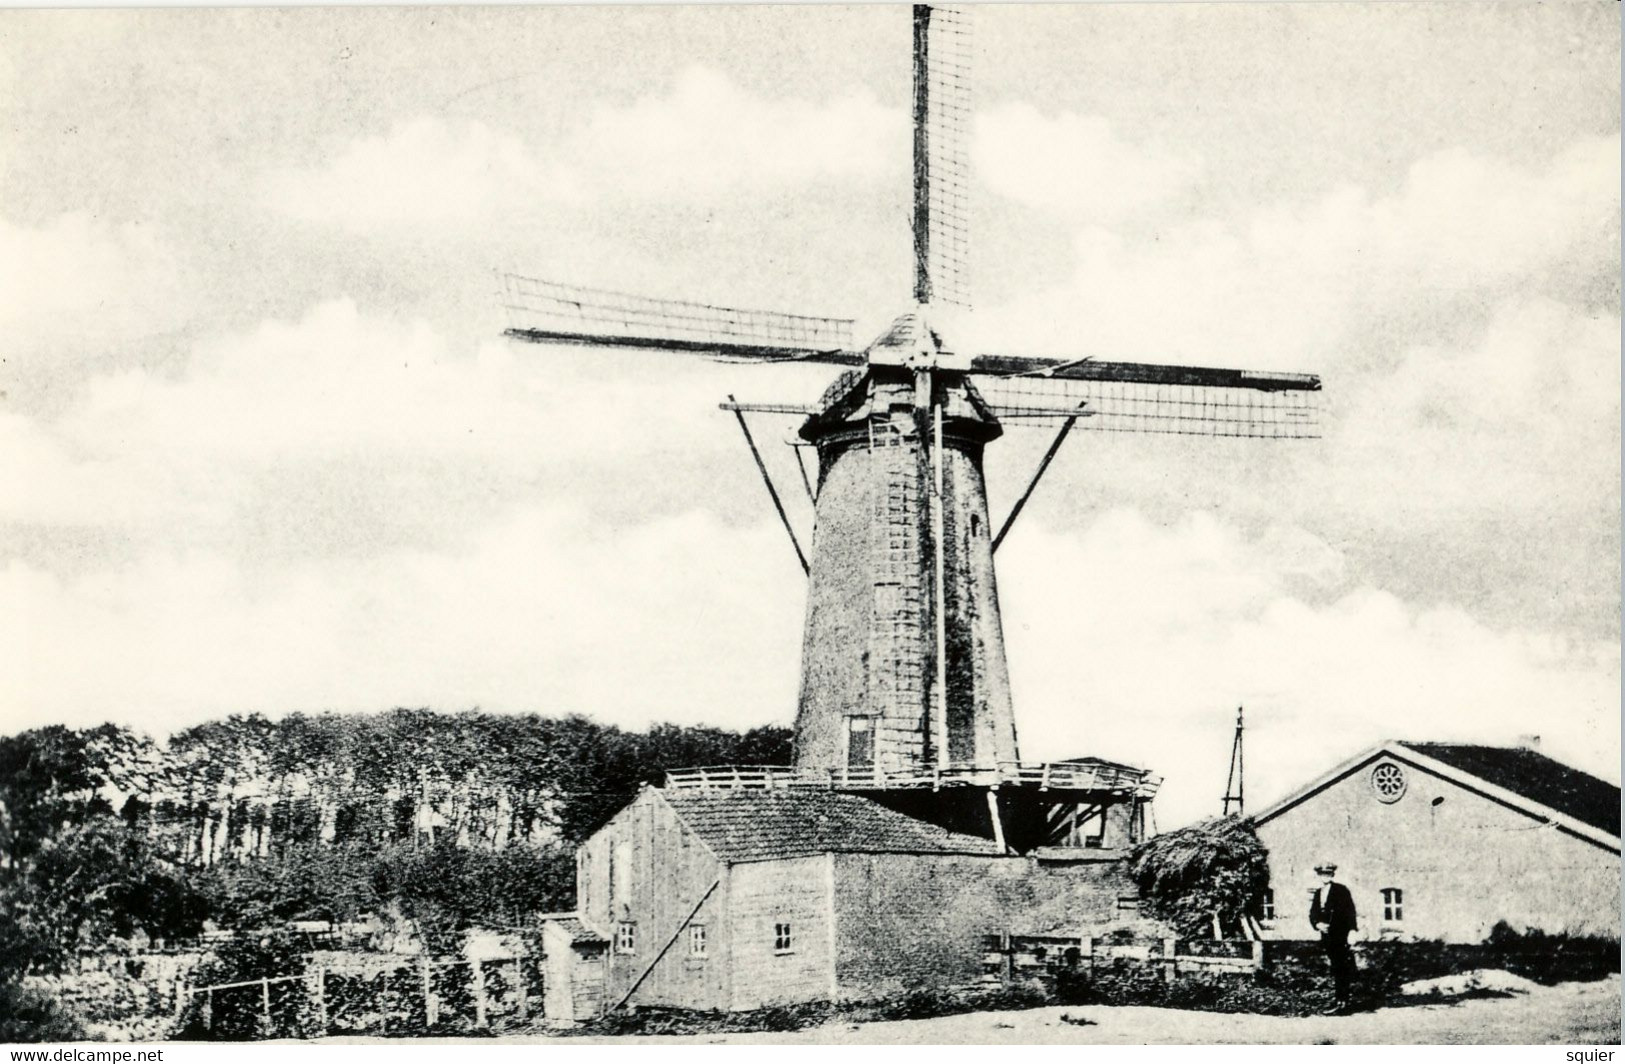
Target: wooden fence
365, 997
1013, 958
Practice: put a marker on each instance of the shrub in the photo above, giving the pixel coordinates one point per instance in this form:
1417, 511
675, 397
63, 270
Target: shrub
28, 1014
238, 1014
1187, 876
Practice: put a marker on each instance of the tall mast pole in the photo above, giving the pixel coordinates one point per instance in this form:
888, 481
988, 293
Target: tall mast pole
1233, 787
922, 162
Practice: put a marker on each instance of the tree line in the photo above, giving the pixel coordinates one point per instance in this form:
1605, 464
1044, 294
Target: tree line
446, 820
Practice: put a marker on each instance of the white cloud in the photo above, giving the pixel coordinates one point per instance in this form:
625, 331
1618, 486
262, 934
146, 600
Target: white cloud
340, 397
709, 135
1075, 165
77, 283
1126, 633
543, 611
1522, 423
706, 136
1298, 285
422, 171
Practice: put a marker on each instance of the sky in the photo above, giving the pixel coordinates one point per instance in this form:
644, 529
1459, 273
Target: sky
266, 448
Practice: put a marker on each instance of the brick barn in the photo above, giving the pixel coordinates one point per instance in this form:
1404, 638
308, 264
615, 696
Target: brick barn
1444, 840
738, 899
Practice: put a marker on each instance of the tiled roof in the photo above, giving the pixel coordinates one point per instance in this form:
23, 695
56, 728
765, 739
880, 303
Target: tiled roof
763, 825
1536, 777
578, 930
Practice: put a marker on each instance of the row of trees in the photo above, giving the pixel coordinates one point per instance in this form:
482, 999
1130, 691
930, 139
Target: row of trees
248, 786
100, 829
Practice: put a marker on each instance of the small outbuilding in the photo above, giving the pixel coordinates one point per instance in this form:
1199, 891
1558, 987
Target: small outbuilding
740, 899
1445, 840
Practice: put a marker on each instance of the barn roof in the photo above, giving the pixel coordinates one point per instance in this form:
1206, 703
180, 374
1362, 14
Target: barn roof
577, 929
1535, 776
1516, 777
765, 825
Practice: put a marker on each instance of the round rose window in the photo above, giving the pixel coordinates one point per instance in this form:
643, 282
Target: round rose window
1388, 780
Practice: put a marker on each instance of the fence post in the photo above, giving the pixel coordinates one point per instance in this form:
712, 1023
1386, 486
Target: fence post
208, 1009
383, 1000
1170, 967
1086, 947
521, 999
431, 1007
1258, 954
265, 1003
479, 992
321, 999
182, 996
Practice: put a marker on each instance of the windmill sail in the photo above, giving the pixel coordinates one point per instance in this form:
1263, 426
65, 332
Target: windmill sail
942, 106
904, 677
1263, 410
549, 312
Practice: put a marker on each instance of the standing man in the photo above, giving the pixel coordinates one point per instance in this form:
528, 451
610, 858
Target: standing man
1332, 914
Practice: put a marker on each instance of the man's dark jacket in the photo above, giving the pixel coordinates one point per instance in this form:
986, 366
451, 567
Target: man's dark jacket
1338, 912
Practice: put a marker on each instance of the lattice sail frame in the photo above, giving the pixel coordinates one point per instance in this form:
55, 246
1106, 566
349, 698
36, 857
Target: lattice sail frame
942, 116
1157, 408
548, 311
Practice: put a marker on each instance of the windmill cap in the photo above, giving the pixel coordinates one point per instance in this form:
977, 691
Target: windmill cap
1326, 868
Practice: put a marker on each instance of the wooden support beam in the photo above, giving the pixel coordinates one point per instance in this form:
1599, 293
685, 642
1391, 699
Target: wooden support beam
806, 481
998, 824
663, 949
773, 492
1049, 456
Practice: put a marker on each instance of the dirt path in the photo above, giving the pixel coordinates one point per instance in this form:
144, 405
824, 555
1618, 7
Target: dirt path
1579, 1014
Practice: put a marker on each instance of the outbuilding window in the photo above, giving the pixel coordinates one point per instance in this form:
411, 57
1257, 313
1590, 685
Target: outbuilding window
696, 940
626, 937
1393, 904
782, 942
1266, 905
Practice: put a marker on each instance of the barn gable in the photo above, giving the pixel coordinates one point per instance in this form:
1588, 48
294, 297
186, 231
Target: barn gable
1430, 850
1529, 783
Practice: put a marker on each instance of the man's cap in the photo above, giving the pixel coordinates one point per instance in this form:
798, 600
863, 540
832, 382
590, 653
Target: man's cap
1326, 868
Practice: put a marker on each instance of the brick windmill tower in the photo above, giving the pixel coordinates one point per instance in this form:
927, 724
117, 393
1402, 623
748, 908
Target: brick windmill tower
905, 694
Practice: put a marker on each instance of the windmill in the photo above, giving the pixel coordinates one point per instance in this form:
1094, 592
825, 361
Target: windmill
904, 683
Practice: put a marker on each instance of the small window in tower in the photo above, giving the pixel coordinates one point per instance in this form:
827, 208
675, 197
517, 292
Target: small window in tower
1393, 904
860, 742
696, 940
781, 939
626, 937
975, 524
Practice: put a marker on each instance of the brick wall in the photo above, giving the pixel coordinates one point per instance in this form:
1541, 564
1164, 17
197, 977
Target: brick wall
906, 922
855, 627
1462, 860
763, 895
